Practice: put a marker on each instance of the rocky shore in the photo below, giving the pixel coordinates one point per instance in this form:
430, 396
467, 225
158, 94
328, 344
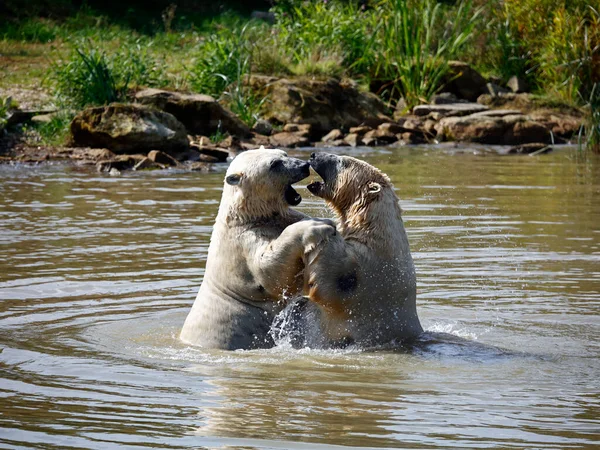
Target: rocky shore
161, 129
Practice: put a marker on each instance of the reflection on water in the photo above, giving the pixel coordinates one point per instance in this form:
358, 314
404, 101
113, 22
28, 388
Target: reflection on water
98, 274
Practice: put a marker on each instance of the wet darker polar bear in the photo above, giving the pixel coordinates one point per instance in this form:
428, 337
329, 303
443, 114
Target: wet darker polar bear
256, 253
362, 279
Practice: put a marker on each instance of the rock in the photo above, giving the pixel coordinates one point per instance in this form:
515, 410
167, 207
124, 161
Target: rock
42, 119
401, 109
561, 124
120, 163
114, 172
219, 154
409, 138
391, 127
201, 114
147, 164
17, 116
353, 140
257, 140
334, 135
379, 137
287, 139
325, 104
128, 128
497, 113
464, 81
506, 130
445, 98
451, 109
526, 131
94, 154
159, 157
302, 128
496, 90
534, 147
263, 127
232, 143
522, 102
517, 85
361, 131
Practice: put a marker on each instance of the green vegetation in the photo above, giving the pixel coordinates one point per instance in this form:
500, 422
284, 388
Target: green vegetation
91, 77
55, 132
399, 49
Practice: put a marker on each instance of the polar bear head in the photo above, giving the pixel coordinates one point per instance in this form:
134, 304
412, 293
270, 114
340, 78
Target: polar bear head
355, 190
259, 183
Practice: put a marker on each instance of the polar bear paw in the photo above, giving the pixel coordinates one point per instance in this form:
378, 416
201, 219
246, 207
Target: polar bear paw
317, 232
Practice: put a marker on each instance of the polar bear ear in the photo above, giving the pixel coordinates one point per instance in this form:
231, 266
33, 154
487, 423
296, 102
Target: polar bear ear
233, 179
374, 187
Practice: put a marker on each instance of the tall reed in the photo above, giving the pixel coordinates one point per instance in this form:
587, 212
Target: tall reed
412, 45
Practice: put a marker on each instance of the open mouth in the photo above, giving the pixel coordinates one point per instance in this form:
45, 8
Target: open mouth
291, 196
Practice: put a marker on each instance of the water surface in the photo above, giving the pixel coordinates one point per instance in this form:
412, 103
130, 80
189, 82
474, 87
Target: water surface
97, 275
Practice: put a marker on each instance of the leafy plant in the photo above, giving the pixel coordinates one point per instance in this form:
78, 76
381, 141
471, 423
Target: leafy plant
30, 30
226, 62
591, 130
412, 47
92, 77
220, 61
56, 131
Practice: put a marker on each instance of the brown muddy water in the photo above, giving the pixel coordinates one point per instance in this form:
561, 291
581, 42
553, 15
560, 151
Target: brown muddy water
97, 275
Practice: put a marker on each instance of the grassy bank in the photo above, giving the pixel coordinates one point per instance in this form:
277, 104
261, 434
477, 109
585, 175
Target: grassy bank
399, 49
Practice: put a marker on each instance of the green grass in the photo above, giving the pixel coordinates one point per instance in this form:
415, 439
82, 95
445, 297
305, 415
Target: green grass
399, 48
412, 47
91, 76
54, 133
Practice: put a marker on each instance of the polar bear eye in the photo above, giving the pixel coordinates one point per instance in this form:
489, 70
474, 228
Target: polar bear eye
276, 164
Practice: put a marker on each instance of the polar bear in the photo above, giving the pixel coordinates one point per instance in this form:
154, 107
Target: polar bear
256, 251
362, 279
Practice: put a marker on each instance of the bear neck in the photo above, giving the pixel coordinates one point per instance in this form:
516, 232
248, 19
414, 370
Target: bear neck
371, 222
238, 209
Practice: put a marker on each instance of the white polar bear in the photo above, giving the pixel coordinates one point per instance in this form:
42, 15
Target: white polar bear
361, 282
256, 251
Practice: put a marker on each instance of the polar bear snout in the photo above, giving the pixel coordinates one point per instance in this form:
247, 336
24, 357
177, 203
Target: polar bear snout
297, 169
325, 164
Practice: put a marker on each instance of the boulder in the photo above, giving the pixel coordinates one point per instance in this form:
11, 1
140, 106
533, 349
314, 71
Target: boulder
409, 138
505, 130
17, 116
201, 114
450, 109
287, 139
324, 104
302, 128
334, 135
445, 98
391, 127
263, 127
361, 131
125, 128
464, 81
148, 164
379, 137
159, 157
353, 140
517, 85
495, 90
